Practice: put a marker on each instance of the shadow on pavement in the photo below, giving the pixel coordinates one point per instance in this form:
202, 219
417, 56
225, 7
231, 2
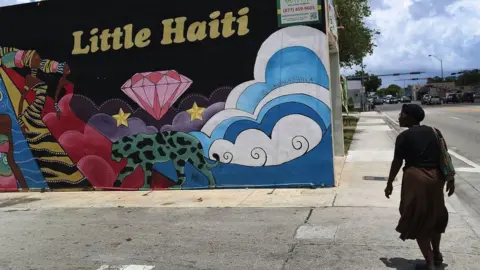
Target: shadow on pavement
404, 264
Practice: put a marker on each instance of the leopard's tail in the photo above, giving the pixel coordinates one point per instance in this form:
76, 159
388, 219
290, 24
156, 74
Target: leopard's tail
217, 160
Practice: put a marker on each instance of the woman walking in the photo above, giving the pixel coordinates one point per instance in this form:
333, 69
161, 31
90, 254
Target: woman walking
423, 215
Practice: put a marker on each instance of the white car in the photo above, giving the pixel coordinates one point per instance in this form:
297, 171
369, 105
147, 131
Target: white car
434, 100
425, 99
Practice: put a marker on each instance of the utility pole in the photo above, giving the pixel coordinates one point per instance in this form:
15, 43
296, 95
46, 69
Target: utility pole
441, 64
363, 96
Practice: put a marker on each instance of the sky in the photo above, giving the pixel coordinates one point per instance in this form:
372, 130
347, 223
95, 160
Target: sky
413, 29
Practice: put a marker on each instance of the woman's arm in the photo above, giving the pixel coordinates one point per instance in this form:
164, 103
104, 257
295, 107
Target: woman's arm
394, 169
397, 163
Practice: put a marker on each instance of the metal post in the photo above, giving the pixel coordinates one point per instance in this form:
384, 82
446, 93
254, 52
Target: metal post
441, 64
362, 102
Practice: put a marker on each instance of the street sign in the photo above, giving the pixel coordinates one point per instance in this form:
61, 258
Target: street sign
332, 16
294, 12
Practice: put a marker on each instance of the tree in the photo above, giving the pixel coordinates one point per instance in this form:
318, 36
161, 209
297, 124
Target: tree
435, 79
469, 77
356, 39
382, 92
370, 81
393, 90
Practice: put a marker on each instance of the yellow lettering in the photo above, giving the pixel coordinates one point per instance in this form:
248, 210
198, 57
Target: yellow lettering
128, 43
104, 45
77, 44
197, 31
94, 40
117, 36
142, 38
178, 30
243, 22
227, 22
214, 25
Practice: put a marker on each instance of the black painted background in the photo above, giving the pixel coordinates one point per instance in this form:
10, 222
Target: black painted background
48, 28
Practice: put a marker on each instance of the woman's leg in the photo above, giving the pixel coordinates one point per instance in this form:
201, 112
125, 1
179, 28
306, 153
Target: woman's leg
426, 249
436, 248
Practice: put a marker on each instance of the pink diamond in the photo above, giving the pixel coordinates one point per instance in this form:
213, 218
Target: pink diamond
156, 92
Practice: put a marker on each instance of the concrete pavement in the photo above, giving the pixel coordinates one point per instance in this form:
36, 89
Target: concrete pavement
349, 227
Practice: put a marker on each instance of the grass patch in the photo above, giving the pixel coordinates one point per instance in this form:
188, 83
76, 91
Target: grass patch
350, 125
350, 121
355, 110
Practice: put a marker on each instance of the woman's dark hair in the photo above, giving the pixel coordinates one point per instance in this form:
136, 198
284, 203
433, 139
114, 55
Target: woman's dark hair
414, 111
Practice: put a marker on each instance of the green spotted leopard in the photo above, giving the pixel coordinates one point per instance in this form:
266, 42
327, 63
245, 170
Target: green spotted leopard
145, 150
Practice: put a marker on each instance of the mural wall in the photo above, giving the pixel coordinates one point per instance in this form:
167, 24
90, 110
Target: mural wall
215, 96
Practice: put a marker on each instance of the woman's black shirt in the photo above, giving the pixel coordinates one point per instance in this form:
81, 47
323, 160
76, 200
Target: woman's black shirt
418, 146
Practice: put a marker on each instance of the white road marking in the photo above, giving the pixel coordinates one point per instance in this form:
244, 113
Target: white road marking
468, 169
453, 153
464, 159
126, 267
456, 118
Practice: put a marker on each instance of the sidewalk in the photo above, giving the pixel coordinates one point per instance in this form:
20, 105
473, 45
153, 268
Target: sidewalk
348, 227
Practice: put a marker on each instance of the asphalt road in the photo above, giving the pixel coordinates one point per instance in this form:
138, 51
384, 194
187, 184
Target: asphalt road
218, 238
460, 125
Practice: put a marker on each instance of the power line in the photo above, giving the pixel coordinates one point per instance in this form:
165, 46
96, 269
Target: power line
413, 79
384, 75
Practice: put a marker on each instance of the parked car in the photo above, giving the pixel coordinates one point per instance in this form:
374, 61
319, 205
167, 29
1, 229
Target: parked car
476, 95
378, 101
468, 97
452, 98
391, 100
405, 99
425, 99
434, 100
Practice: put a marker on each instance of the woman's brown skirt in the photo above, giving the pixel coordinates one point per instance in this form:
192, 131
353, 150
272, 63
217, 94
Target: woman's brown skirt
422, 206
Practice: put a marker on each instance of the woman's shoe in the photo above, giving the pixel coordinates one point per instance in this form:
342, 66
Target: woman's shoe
424, 266
438, 258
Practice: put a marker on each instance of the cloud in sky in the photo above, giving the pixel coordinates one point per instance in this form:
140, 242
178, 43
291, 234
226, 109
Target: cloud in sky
413, 29
15, 2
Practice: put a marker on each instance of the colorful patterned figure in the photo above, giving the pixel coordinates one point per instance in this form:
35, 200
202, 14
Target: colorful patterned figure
10, 173
55, 164
146, 150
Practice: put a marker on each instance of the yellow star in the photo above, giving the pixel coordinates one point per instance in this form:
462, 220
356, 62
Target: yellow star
196, 112
122, 118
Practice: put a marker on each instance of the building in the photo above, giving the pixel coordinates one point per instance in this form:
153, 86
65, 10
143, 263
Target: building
165, 96
355, 92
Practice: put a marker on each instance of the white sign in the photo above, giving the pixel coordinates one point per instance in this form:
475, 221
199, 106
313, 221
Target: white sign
333, 19
298, 12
